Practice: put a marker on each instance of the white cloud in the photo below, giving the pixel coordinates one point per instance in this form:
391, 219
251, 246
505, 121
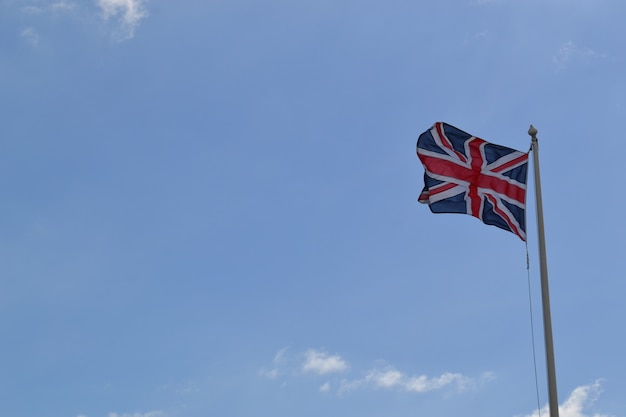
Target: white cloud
321, 363
124, 16
390, 378
148, 414
580, 399
318, 362
30, 35
423, 383
128, 14
386, 379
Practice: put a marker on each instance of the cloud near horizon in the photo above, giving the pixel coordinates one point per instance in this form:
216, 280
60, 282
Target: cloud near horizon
580, 399
321, 363
390, 378
148, 414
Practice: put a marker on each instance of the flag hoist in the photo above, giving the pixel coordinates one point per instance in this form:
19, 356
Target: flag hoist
545, 290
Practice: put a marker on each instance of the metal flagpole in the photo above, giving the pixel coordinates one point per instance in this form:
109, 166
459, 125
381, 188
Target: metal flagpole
545, 292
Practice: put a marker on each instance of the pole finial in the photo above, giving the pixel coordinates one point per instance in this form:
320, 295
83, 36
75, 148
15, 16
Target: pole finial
532, 131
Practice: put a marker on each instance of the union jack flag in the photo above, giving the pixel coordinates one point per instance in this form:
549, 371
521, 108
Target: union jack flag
465, 174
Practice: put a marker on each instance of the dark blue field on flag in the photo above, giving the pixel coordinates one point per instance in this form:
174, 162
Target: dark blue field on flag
468, 175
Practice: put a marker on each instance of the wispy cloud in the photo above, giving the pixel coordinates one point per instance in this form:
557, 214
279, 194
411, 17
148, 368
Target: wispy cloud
54, 11
322, 363
124, 16
31, 9
569, 52
59, 6
277, 362
148, 414
580, 399
390, 378
30, 35
156, 413
63, 6
127, 13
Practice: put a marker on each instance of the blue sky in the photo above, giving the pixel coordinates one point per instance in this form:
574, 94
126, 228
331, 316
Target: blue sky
209, 208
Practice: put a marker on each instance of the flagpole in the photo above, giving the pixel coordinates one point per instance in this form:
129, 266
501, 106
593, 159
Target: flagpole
545, 291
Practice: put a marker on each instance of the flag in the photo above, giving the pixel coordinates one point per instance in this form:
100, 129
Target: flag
465, 174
